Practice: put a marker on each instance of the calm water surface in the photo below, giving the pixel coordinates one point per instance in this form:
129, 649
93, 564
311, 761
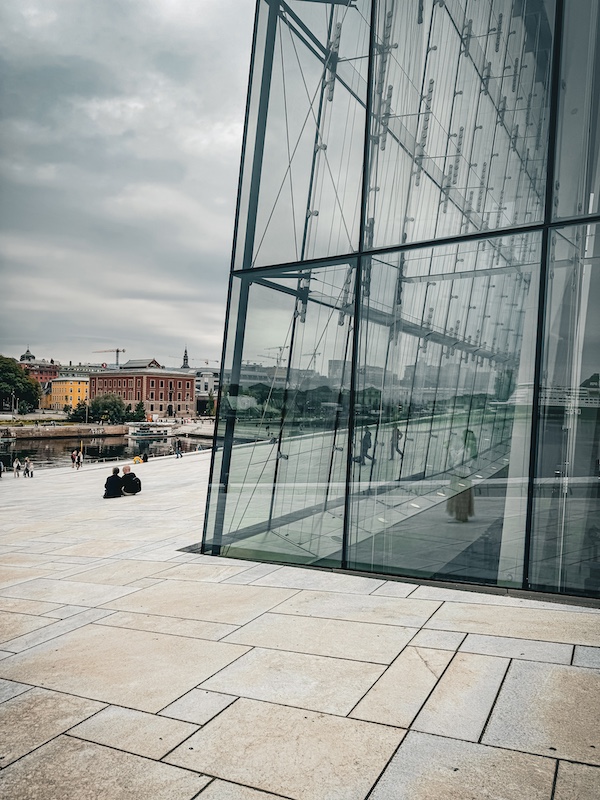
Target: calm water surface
57, 452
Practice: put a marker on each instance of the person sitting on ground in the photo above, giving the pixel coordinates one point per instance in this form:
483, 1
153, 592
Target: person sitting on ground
112, 487
130, 482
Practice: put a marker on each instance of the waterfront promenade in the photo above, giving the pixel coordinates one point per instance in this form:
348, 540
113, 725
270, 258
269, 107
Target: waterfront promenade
129, 669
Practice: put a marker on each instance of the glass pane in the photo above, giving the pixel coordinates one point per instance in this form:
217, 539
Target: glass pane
577, 170
302, 171
460, 116
285, 399
442, 428
566, 529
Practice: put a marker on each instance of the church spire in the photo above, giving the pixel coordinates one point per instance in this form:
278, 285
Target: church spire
186, 363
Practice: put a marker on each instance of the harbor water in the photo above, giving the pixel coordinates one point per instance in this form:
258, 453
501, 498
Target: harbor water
57, 452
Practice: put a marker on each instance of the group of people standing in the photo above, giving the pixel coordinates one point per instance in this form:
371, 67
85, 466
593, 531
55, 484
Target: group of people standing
126, 484
76, 459
26, 466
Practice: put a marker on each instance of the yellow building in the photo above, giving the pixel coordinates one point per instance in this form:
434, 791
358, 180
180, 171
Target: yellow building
68, 392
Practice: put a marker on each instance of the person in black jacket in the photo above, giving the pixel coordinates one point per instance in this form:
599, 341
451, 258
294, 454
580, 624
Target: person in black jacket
112, 487
130, 482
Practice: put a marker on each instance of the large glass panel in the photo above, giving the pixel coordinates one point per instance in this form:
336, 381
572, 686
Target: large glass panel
460, 118
566, 525
442, 418
578, 154
278, 488
302, 172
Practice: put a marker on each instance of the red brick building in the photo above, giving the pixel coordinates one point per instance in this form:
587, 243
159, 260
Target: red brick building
39, 369
166, 392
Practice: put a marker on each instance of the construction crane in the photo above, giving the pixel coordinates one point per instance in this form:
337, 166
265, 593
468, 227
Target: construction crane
279, 358
115, 350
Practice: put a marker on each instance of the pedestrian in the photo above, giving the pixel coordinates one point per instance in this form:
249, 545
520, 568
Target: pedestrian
28, 470
1, 467
145, 458
178, 453
79, 459
73, 458
17, 467
114, 482
461, 504
130, 483
365, 446
395, 443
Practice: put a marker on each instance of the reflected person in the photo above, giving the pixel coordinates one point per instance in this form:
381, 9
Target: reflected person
461, 504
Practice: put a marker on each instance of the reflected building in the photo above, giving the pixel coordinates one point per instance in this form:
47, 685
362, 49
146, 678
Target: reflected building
416, 248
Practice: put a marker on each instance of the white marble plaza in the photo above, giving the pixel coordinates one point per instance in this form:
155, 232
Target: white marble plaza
130, 669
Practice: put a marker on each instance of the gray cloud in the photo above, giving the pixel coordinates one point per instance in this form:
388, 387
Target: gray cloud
121, 130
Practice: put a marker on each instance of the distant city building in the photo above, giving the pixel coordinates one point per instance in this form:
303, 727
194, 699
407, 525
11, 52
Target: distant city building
39, 369
77, 370
68, 391
207, 387
164, 392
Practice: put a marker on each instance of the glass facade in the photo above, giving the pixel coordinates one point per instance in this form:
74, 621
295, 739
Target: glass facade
410, 374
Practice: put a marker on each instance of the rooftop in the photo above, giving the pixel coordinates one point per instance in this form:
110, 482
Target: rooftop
130, 669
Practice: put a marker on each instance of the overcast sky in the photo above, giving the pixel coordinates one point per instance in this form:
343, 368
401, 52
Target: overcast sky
120, 136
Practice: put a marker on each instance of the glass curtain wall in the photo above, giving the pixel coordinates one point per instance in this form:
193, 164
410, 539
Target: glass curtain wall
410, 379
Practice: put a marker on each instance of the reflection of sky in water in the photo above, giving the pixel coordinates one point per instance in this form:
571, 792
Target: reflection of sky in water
57, 452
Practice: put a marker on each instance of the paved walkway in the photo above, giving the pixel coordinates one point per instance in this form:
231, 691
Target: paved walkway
131, 670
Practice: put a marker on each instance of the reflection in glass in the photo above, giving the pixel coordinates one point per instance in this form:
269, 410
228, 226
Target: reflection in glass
441, 417
279, 482
302, 174
460, 118
566, 529
578, 155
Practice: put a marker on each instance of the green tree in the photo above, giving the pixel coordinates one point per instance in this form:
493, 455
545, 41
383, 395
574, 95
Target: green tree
16, 387
139, 413
211, 405
109, 408
79, 413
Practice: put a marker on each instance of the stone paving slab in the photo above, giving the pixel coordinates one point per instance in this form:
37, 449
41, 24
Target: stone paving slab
198, 706
140, 629
360, 608
289, 751
138, 669
71, 769
332, 685
360, 641
221, 790
518, 648
462, 700
134, 731
577, 782
548, 709
13, 625
398, 695
587, 657
427, 767
541, 624
226, 603
192, 628
54, 714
